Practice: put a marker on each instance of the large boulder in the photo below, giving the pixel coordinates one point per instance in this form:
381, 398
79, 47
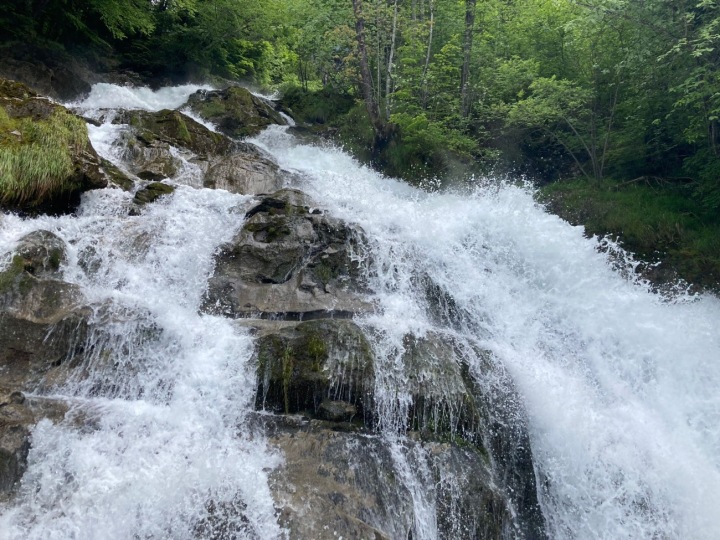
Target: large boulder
235, 111
289, 261
46, 159
247, 171
176, 129
155, 138
42, 324
450, 399
338, 483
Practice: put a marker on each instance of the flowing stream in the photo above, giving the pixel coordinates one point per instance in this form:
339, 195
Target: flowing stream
621, 386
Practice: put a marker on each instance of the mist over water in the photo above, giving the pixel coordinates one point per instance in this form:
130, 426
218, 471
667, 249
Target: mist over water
620, 386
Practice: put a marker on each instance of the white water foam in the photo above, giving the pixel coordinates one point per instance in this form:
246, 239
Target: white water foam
620, 385
112, 96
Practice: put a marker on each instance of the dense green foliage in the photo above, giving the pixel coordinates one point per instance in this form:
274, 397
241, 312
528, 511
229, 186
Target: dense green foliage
162, 38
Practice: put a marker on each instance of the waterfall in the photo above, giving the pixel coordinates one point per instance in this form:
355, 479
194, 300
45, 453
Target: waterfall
168, 448
619, 385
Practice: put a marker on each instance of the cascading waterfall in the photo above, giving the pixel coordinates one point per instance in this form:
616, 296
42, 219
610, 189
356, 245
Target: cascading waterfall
169, 453
619, 385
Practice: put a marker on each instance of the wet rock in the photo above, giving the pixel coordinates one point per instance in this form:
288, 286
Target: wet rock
48, 158
15, 419
152, 192
42, 254
469, 504
337, 484
176, 129
288, 263
459, 390
247, 172
337, 411
224, 164
235, 111
17, 416
322, 367
149, 158
348, 484
116, 177
42, 325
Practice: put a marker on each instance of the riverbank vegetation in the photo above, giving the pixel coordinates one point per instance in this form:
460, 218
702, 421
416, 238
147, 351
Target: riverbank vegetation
611, 106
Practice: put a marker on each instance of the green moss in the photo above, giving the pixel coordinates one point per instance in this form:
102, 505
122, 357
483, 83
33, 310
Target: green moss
9, 276
288, 365
211, 109
269, 231
324, 272
55, 258
183, 133
37, 157
117, 177
316, 350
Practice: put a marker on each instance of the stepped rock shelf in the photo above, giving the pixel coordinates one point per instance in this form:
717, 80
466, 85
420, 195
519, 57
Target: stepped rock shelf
296, 279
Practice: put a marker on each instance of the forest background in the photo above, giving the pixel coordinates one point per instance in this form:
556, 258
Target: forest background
611, 107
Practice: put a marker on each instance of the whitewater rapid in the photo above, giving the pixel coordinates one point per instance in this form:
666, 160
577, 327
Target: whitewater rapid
620, 385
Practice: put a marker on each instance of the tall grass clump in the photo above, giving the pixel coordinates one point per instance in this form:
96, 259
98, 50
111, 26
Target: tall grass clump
37, 158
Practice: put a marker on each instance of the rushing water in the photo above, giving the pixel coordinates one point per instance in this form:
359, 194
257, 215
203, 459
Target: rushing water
621, 386
167, 433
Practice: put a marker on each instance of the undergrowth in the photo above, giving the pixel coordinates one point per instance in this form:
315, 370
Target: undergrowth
658, 223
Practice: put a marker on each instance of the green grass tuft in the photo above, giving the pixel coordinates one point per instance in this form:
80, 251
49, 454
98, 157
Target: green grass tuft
37, 157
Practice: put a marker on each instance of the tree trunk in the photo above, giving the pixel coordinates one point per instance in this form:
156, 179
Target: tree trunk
465, 97
388, 76
427, 58
366, 85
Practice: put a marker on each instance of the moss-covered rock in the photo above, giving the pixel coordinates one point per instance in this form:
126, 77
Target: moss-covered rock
116, 177
307, 366
152, 192
176, 129
235, 111
223, 163
46, 159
